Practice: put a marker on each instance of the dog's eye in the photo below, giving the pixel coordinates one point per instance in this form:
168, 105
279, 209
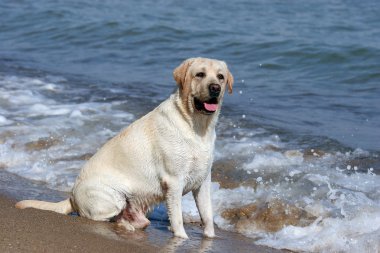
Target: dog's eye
220, 76
200, 74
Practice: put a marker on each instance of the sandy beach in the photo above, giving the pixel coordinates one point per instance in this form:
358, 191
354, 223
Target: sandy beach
42, 231
37, 231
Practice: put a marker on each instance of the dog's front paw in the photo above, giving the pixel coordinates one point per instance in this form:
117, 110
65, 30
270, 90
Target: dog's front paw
181, 235
209, 232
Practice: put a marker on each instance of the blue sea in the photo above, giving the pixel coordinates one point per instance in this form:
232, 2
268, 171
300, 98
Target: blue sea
298, 138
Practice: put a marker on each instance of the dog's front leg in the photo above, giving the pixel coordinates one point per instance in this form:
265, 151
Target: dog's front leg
202, 198
174, 205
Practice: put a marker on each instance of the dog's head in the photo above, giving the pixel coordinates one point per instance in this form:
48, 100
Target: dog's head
202, 83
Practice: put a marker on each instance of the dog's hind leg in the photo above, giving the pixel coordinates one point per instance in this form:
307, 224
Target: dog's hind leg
97, 202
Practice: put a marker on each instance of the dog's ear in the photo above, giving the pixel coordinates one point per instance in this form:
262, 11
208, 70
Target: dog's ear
180, 72
230, 81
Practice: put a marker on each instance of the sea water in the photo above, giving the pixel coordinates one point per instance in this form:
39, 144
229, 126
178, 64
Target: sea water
297, 155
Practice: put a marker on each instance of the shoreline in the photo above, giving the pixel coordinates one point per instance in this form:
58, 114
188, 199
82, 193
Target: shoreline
32, 230
43, 231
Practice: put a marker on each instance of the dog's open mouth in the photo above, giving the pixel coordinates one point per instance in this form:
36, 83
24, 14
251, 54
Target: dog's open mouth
207, 107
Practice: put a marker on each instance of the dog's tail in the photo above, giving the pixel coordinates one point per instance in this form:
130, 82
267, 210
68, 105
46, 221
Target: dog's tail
63, 207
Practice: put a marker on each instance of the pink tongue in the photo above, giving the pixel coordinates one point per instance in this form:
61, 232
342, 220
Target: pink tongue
211, 107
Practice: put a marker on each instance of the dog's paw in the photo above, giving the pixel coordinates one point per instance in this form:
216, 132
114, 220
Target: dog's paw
181, 235
125, 224
209, 232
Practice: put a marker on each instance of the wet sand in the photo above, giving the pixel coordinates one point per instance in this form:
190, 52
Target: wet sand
38, 231
42, 231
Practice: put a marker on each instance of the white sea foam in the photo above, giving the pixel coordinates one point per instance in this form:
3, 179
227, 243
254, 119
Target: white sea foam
346, 206
354, 228
4, 121
30, 119
359, 234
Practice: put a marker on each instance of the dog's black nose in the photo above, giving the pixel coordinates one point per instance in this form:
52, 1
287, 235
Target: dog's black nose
214, 90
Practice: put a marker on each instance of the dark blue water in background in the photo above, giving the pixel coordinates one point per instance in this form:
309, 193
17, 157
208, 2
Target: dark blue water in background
311, 69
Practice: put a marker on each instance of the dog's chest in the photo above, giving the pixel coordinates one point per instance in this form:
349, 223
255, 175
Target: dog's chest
196, 166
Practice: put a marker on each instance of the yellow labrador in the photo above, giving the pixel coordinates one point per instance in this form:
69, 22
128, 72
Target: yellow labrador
161, 156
